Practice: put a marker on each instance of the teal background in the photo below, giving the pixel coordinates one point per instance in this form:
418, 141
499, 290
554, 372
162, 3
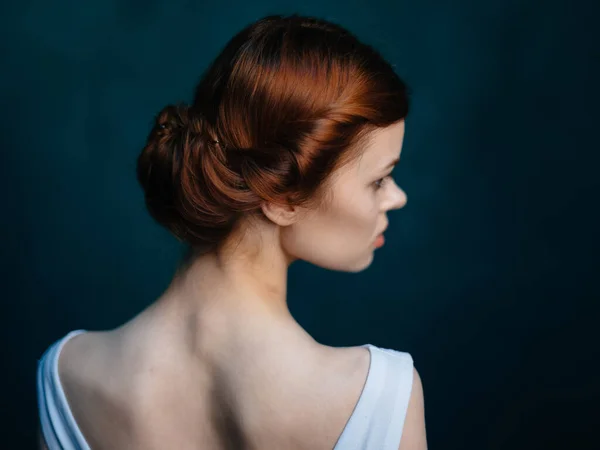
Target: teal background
488, 277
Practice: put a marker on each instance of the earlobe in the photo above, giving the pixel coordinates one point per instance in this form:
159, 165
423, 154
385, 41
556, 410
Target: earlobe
282, 215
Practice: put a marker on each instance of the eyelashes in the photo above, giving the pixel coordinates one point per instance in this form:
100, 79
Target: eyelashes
379, 183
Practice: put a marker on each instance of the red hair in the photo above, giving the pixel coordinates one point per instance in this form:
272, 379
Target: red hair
287, 101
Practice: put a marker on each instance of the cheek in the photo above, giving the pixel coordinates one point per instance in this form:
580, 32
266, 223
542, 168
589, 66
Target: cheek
350, 219
358, 218
338, 236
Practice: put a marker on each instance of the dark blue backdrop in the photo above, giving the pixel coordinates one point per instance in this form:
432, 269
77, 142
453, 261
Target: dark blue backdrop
489, 277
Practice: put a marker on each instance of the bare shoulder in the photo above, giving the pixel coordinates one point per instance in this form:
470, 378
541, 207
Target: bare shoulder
82, 356
413, 435
91, 376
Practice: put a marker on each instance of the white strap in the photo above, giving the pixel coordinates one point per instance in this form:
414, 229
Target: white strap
58, 426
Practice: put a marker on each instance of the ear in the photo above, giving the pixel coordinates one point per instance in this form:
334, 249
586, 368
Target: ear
282, 215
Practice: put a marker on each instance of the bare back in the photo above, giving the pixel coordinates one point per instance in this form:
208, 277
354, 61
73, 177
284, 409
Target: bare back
134, 397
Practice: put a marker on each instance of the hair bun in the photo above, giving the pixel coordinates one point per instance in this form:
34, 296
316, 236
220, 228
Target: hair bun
175, 118
181, 172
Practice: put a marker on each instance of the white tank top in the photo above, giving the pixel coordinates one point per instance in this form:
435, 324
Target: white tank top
375, 424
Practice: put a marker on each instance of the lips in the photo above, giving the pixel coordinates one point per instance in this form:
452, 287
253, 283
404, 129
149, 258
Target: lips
380, 240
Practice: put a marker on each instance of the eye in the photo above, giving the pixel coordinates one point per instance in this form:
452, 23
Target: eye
379, 183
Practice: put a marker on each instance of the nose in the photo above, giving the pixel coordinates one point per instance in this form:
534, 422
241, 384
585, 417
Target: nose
402, 199
397, 199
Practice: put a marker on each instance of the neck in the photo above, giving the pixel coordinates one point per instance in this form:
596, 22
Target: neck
232, 300
233, 284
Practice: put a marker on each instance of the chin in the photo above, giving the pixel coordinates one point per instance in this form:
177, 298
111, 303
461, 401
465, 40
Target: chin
363, 265
350, 266
331, 260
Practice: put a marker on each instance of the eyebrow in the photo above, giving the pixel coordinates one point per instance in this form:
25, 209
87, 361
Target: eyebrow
391, 164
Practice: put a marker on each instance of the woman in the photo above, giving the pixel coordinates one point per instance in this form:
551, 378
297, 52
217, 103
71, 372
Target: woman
285, 154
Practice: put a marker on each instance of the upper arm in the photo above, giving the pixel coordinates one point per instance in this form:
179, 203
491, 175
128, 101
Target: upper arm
413, 434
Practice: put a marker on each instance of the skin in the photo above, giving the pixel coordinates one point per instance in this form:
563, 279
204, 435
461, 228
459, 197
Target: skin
244, 287
223, 327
